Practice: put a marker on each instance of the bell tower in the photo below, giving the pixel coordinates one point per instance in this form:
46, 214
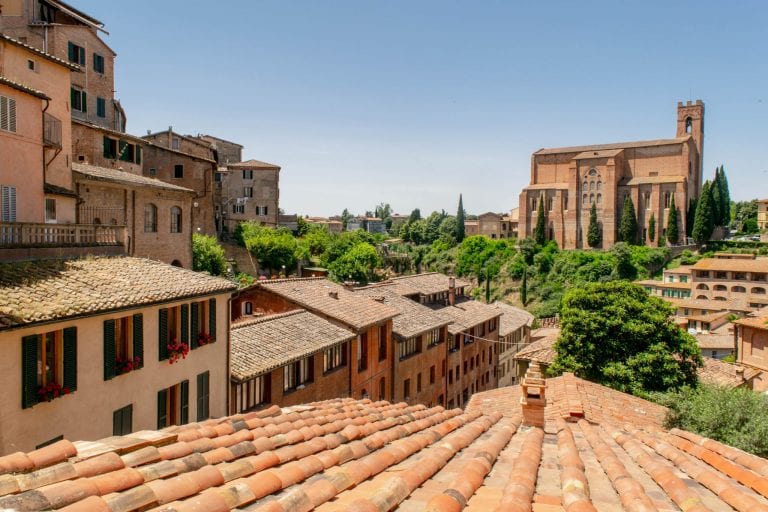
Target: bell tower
690, 121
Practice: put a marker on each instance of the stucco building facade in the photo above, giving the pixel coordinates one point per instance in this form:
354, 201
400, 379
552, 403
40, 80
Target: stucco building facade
570, 179
250, 191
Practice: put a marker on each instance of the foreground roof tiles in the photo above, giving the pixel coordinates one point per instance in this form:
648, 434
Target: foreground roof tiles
322, 296
42, 290
261, 345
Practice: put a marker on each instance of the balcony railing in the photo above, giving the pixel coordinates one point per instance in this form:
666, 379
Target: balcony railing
101, 215
51, 131
21, 234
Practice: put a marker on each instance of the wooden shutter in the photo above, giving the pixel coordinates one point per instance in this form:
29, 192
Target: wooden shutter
138, 154
84, 96
11, 115
212, 318
29, 370
72, 96
73, 57
82, 56
162, 408
185, 323
138, 338
70, 358
184, 409
195, 329
109, 349
203, 392
122, 421
162, 335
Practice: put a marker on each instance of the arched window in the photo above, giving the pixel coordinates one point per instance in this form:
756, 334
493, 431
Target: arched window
599, 186
150, 218
593, 172
585, 186
688, 124
550, 204
584, 200
720, 288
591, 186
738, 289
599, 199
177, 263
533, 204
702, 297
758, 291
248, 308
591, 198
720, 298
702, 286
175, 219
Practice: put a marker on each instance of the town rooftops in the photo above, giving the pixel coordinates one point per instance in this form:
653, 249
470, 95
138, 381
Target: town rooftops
512, 318
664, 284
428, 283
598, 450
719, 373
23, 88
466, 314
46, 56
760, 322
413, 318
93, 172
52, 290
254, 164
616, 145
266, 343
329, 299
732, 304
734, 265
541, 351
716, 340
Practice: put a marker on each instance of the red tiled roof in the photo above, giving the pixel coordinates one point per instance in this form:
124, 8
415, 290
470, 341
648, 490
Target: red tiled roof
720, 373
733, 265
599, 449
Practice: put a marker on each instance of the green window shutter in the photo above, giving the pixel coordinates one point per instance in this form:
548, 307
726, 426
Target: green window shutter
185, 323
195, 328
162, 410
82, 56
85, 101
212, 318
138, 154
162, 335
72, 92
71, 51
29, 370
70, 358
184, 416
203, 393
138, 338
109, 349
107, 146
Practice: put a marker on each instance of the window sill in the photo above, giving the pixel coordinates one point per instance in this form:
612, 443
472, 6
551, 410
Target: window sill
334, 370
298, 388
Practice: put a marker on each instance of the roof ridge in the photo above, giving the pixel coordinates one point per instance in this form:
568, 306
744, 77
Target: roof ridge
266, 318
293, 280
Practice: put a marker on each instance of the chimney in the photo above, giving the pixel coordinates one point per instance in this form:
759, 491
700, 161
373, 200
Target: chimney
533, 401
451, 291
333, 295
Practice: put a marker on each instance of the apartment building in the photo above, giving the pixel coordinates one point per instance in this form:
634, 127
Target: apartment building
729, 276
497, 226
71, 35
128, 343
762, 214
514, 334
333, 226
250, 191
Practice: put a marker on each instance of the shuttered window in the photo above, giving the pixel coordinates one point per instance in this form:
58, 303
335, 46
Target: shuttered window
162, 408
123, 345
162, 335
101, 107
7, 114
203, 393
7, 204
122, 421
76, 53
98, 63
184, 405
48, 366
212, 318
79, 99
138, 339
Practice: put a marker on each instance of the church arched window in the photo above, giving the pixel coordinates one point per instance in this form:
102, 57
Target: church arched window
599, 199
585, 186
591, 198
599, 186
584, 200
591, 186
688, 124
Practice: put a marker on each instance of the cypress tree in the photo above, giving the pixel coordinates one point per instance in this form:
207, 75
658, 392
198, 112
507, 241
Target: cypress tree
714, 189
703, 223
672, 231
628, 223
725, 198
690, 215
460, 230
524, 288
593, 232
540, 234
652, 228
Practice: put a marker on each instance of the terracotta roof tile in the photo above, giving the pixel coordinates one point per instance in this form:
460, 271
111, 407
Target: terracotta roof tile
467, 313
512, 318
322, 296
427, 283
261, 345
721, 373
42, 290
93, 172
617, 145
412, 319
734, 265
253, 164
23, 88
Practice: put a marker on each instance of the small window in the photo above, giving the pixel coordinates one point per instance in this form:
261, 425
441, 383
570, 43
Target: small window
178, 171
407, 389
98, 63
175, 143
176, 219
298, 373
382, 342
101, 107
252, 393
150, 218
79, 100
335, 357
203, 396
432, 374
50, 210
76, 53
247, 191
110, 148
247, 174
152, 172
688, 124
31, 65
418, 383
248, 308
7, 203
667, 199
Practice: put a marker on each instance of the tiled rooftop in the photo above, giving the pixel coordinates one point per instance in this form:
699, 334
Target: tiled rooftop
541, 351
757, 322
41, 290
413, 318
266, 343
330, 299
23, 88
36, 51
428, 283
732, 304
467, 313
720, 373
253, 164
512, 318
734, 265
616, 145
598, 450
117, 176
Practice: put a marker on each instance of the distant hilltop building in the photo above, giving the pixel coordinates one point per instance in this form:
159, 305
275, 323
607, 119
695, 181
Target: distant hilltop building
570, 179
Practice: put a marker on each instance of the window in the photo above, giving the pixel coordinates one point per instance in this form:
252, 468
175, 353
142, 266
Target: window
550, 204
647, 200
50, 210
98, 63
688, 125
31, 65
150, 218
565, 200
175, 219
261, 210
432, 374
382, 342
203, 396
122, 421
79, 99
248, 308
76, 53
591, 186
238, 208
247, 174
101, 107
217, 177
433, 338
667, 199
247, 191
335, 357
49, 368
202, 323
382, 388
298, 373
453, 342
173, 405
585, 200
123, 345
409, 347
7, 114
152, 172
178, 171
110, 148
407, 389
7, 203
362, 352
252, 393
175, 143
450, 376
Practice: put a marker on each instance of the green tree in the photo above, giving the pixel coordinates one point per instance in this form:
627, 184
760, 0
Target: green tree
593, 232
208, 255
415, 215
652, 228
460, 214
625, 268
273, 248
357, 264
524, 288
714, 190
672, 232
616, 334
703, 222
345, 216
742, 212
302, 226
628, 223
540, 233
725, 197
690, 216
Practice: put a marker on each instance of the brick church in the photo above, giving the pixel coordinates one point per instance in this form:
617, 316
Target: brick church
651, 172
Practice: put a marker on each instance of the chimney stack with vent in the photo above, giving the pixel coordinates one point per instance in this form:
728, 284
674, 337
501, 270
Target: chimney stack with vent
451, 291
533, 387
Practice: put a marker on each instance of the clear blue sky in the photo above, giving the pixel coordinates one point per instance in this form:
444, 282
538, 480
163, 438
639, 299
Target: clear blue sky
413, 102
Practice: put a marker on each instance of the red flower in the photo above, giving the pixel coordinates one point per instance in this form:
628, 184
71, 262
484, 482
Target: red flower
177, 350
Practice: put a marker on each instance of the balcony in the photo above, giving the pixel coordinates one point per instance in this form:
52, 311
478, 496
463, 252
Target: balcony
21, 240
98, 215
51, 131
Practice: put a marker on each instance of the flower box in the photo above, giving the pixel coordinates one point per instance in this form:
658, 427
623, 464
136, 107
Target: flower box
204, 339
177, 350
50, 391
125, 365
